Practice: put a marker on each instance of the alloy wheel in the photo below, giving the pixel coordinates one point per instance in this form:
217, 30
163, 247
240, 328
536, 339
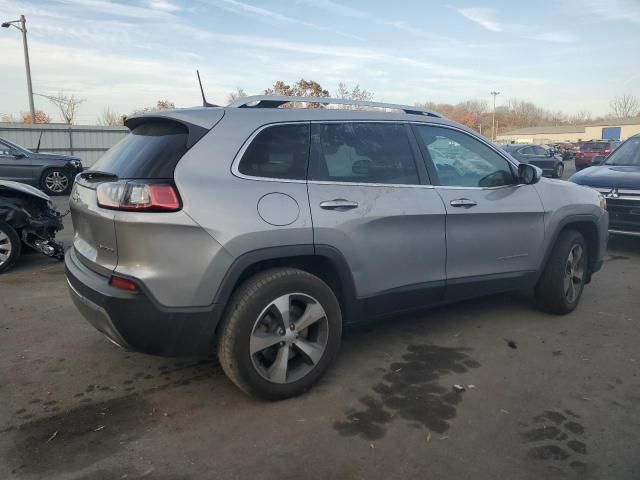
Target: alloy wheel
289, 338
56, 181
574, 273
5, 248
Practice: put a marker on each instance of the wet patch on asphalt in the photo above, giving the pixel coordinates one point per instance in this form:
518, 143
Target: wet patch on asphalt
411, 390
78, 438
557, 438
167, 375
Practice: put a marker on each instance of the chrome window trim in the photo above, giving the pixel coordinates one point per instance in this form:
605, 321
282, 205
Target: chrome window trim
247, 142
238, 157
364, 184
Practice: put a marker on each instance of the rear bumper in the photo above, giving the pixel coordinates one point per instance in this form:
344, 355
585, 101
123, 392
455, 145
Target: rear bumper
134, 321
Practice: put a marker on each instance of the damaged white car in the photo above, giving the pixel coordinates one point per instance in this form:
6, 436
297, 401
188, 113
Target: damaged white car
27, 219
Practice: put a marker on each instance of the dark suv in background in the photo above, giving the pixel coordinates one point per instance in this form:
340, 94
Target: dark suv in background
593, 148
544, 158
49, 172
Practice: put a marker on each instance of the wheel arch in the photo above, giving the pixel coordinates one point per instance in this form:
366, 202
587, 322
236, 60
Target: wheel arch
587, 225
323, 261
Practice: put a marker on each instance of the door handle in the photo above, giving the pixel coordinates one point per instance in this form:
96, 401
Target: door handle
338, 204
463, 202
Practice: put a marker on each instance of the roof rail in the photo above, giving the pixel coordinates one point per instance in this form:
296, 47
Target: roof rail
274, 101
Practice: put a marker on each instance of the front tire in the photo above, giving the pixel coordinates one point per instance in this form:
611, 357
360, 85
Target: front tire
559, 171
281, 331
10, 247
562, 282
55, 181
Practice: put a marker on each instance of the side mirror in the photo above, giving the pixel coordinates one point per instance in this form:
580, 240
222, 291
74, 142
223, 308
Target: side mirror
529, 174
598, 160
550, 154
18, 155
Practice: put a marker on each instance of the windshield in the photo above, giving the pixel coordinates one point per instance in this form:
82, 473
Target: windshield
626, 154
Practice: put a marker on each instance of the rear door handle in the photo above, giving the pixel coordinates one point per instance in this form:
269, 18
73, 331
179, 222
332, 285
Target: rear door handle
463, 202
338, 204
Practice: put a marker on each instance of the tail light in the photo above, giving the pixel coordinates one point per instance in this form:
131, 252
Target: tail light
607, 152
138, 196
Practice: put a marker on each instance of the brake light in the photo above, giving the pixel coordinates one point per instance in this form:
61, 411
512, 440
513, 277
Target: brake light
123, 283
138, 196
606, 151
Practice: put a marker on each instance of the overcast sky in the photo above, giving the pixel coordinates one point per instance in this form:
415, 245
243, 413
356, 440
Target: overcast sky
568, 55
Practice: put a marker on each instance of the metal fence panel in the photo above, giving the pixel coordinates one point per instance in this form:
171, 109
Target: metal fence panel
85, 141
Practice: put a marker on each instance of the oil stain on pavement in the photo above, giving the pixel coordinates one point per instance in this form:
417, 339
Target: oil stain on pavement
412, 391
557, 437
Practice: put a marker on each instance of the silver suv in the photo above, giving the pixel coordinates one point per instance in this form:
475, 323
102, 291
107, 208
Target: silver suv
259, 232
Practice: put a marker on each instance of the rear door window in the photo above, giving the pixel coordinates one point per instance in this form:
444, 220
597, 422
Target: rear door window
279, 151
151, 150
362, 153
539, 151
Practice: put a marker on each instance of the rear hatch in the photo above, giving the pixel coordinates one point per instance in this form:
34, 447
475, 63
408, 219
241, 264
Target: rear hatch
148, 155
588, 150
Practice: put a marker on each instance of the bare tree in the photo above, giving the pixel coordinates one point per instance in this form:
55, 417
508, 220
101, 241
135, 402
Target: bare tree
160, 105
41, 117
355, 93
238, 93
580, 117
302, 88
25, 117
165, 105
109, 118
67, 105
625, 106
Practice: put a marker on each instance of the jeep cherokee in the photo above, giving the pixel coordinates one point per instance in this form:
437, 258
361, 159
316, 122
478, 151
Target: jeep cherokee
258, 232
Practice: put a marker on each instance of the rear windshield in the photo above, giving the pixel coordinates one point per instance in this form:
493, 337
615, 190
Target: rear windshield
151, 150
591, 146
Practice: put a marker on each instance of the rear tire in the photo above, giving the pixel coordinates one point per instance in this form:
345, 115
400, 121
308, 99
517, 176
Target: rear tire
562, 282
10, 247
280, 333
56, 181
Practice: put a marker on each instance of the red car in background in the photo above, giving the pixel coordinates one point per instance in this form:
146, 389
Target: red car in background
593, 148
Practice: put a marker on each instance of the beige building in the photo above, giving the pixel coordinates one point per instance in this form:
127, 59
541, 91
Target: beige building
618, 129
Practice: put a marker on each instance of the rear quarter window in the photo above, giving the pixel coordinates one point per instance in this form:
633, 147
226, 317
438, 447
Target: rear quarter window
151, 150
278, 151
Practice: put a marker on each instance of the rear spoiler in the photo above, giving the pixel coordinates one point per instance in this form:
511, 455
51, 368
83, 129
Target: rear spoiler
197, 121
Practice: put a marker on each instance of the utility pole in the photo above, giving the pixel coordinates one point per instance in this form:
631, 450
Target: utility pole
493, 122
23, 28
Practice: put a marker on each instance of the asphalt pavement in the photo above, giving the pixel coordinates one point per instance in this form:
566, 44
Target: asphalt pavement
491, 388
